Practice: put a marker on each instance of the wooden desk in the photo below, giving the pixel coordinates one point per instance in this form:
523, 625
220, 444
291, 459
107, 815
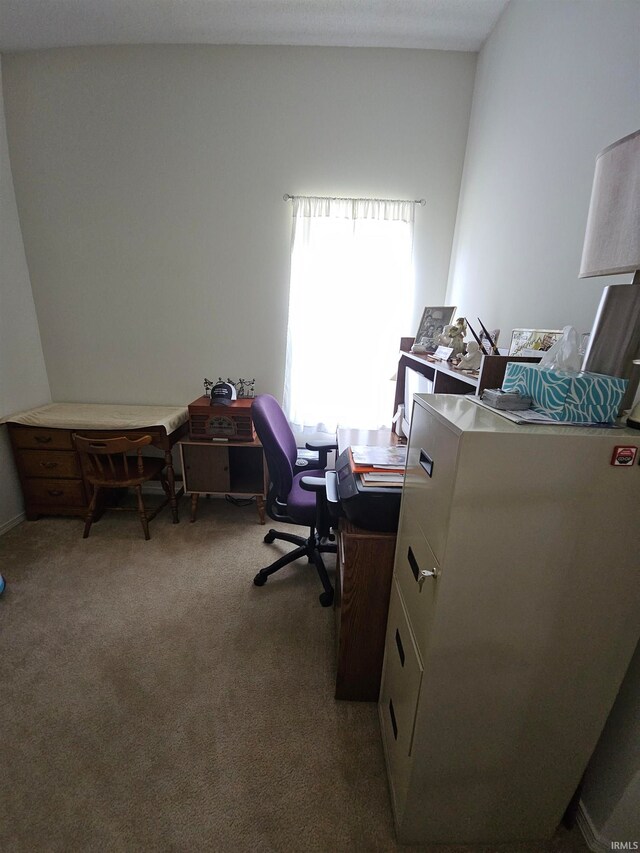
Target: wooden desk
363, 584
48, 465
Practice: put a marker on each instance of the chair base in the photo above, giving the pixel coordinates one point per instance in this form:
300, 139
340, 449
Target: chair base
313, 547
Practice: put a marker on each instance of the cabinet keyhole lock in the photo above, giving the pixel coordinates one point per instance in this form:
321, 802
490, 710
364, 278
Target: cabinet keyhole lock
424, 574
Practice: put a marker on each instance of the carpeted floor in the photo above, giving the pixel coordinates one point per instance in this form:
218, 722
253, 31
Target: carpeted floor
153, 699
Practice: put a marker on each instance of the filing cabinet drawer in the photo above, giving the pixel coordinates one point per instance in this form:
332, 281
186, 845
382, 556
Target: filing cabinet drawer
399, 697
431, 468
413, 556
41, 438
55, 492
50, 463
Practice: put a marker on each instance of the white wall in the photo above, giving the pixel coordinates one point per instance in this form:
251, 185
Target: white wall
149, 182
557, 81
23, 378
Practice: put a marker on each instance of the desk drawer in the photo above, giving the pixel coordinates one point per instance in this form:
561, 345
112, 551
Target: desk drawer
50, 463
41, 438
55, 492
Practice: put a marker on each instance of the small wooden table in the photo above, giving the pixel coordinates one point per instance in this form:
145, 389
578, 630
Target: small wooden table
236, 468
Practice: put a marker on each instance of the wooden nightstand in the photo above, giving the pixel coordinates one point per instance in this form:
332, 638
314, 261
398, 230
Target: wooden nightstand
236, 468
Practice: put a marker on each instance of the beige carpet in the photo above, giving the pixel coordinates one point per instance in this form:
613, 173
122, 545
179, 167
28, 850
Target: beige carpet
153, 699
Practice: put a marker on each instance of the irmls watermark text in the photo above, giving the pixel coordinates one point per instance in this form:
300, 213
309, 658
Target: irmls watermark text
625, 845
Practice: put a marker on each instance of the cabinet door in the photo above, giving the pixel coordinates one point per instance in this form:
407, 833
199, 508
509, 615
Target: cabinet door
206, 468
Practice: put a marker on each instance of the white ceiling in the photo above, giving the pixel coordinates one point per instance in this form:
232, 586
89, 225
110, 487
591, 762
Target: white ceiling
435, 24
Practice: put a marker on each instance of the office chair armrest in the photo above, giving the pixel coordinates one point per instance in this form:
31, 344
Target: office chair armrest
313, 484
326, 512
333, 496
323, 448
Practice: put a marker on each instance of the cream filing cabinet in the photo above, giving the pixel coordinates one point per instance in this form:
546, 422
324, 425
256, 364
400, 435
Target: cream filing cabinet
514, 612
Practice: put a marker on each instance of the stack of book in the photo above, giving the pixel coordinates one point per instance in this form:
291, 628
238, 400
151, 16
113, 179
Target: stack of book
379, 466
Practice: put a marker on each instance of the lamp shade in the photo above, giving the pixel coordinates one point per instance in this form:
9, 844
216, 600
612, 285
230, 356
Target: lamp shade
612, 239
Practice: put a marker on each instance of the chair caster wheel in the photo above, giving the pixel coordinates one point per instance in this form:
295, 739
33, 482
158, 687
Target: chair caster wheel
326, 599
260, 580
270, 537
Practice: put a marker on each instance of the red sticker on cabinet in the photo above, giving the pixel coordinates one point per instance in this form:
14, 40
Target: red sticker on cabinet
624, 456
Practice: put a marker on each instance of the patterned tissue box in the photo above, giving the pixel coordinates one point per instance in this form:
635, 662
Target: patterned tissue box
577, 398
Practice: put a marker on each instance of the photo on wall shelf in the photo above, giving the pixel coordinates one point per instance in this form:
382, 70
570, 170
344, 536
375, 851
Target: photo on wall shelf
532, 342
431, 325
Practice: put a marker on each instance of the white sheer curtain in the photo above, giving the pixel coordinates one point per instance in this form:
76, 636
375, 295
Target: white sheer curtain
350, 302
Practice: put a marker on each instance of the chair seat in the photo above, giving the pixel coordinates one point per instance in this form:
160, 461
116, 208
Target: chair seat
301, 504
151, 467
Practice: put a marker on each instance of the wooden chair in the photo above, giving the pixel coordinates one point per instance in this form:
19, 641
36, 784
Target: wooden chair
105, 465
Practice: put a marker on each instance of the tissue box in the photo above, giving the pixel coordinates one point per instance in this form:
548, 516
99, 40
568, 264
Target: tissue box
582, 398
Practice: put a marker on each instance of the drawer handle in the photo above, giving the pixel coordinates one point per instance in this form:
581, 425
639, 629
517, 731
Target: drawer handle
393, 720
426, 462
415, 568
48, 464
420, 574
55, 493
400, 648
43, 439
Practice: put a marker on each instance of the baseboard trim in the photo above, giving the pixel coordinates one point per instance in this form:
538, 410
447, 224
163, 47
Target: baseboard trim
13, 522
596, 842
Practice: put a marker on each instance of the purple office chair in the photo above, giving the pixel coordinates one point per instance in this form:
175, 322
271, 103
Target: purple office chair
295, 496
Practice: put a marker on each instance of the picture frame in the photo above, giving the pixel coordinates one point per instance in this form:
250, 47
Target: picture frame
434, 319
532, 342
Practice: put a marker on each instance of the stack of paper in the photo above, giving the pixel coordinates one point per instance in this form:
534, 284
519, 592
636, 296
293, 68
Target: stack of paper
379, 466
367, 456
381, 478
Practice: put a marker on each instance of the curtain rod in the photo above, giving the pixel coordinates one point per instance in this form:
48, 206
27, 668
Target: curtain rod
420, 201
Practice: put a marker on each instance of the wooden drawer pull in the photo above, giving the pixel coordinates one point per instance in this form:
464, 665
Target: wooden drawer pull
393, 720
55, 493
48, 464
400, 647
43, 439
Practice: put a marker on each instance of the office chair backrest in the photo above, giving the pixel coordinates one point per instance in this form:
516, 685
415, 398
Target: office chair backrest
277, 440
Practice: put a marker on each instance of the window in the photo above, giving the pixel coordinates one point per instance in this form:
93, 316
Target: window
350, 301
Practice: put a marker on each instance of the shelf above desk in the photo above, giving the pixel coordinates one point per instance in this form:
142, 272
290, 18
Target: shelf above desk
444, 379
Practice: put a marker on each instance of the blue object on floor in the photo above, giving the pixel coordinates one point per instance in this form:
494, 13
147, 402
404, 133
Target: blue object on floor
2, 584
